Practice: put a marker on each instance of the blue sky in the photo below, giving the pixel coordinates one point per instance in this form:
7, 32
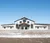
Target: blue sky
37, 10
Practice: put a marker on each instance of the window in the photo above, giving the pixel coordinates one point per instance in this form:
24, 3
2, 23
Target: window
44, 27
24, 20
17, 26
31, 25
37, 27
10, 27
20, 21
4, 27
27, 21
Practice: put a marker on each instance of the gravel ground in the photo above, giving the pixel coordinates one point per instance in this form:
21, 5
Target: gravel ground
24, 40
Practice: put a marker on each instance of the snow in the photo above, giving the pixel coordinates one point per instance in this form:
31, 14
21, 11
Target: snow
25, 34
13, 35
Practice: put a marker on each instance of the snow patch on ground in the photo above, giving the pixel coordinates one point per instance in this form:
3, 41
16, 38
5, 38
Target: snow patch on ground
24, 36
12, 34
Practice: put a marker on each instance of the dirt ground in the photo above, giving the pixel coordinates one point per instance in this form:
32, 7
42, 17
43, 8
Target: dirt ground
24, 40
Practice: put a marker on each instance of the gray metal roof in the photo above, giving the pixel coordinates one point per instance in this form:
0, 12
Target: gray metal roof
7, 24
25, 19
41, 24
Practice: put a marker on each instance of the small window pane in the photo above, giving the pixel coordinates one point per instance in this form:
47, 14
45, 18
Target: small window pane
37, 27
27, 21
20, 21
24, 20
44, 27
4, 27
10, 27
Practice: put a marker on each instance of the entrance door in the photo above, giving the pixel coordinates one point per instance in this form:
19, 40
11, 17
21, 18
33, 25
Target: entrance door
26, 28
22, 27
